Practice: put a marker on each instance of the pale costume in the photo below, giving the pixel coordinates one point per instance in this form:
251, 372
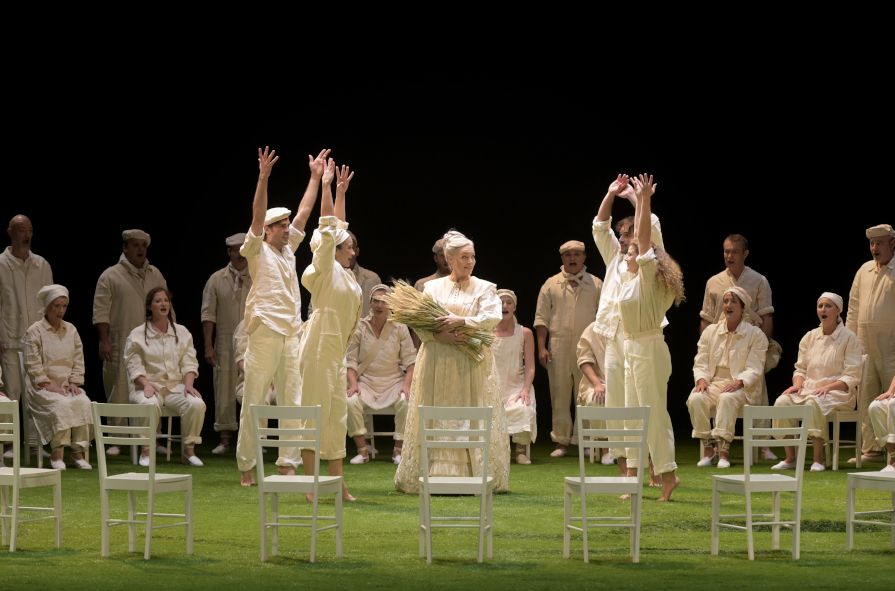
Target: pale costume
164, 358
758, 289
882, 418
509, 360
643, 301
240, 344
273, 321
608, 317
367, 280
566, 305
871, 315
824, 359
57, 356
381, 363
19, 308
335, 296
446, 376
723, 356
223, 303
120, 302
591, 349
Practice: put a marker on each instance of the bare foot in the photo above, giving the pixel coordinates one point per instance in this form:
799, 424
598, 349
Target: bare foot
247, 478
670, 481
285, 470
348, 497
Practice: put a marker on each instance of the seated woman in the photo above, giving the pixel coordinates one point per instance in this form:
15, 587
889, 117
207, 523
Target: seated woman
828, 370
380, 362
882, 417
728, 370
514, 358
591, 354
54, 362
161, 368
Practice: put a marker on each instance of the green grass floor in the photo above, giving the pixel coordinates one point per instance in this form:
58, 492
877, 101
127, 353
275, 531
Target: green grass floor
380, 539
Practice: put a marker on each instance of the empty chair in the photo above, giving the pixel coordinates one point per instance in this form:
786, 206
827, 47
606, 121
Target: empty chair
296, 426
748, 483
884, 481
458, 428
15, 479
633, 437
139, 429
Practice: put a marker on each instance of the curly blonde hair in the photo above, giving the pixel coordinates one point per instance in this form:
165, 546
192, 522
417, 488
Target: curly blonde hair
670, 274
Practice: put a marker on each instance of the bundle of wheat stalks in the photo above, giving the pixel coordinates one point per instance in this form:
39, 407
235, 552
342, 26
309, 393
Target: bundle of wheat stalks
420, 312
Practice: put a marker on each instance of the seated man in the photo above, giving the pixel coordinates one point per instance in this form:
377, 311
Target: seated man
380, 360
882, 417
728, 370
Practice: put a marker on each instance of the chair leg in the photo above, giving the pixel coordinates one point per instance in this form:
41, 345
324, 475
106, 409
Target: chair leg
482, 518
835, 441
797, 527
566, 521
339, 523
775, 529
104, 516
188, 512
314, 527
584, 526
57, 511
150, 514
422, 527
4, 514
716, 511
893, 520
14, 519
750, 542
490, 525
275, 524
131, 526
635, 531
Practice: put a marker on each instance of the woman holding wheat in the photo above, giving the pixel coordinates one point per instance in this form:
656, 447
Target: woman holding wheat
454, 366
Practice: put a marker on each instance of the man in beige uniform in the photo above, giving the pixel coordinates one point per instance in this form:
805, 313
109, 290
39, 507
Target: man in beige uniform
441, 267
871, 315
119, 306
22, 274
567, 304
223, 305
760, 313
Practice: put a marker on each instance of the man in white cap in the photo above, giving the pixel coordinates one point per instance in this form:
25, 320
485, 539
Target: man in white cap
22, 274
871, 315
273, 305
223, 305
567, 304
119, 306
441, 267
759, 313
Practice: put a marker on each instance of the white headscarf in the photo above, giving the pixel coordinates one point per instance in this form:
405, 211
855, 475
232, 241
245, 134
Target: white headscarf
48, 294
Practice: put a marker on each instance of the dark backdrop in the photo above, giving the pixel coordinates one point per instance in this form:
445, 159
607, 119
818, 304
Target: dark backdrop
519, 164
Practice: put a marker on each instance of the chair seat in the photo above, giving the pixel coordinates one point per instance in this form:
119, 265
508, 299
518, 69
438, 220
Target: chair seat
609, 484
874, 480
457, 485
757, 482
29, 477
301, 483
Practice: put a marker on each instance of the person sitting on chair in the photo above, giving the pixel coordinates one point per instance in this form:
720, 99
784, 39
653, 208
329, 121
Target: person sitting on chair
728, 368
828, 370
380, 362
54, 362
882, 417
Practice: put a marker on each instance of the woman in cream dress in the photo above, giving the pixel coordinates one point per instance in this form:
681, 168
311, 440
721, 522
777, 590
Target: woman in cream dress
54, 362
336, 301
514, 356
446, 376
828, 370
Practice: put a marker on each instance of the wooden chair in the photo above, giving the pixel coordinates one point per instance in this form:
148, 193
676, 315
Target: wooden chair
749, 483
884, 481
139, 429
463, 428
632, 436
16, 478
296, 426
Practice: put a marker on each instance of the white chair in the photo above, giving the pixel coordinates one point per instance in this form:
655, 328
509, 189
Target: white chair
139, 429
632, 436
14, 479
296, 426
457, 428
884, 481
369, 413
166, 433
748, 483
33, 439
847, 416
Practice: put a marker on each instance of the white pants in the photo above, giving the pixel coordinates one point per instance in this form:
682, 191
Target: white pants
882, 418
357, 425
190, 409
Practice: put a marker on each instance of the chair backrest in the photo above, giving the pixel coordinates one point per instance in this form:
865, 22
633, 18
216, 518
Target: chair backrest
139, 423
9, 430
633, 423
296, 426
455, 427
777, 435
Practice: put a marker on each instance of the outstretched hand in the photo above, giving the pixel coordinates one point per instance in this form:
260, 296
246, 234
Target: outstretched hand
618, 185
344, 178
329, 172
644, 185
266, 159
318, 164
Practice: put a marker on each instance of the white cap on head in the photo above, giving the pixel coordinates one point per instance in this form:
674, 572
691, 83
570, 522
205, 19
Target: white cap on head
571, 245
880, 231
235, 239
49, 293
740, 293
508, 293
375, 293
833, 298
136, 234
275, 214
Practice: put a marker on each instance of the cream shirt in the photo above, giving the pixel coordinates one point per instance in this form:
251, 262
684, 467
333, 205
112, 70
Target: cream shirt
160, 357
52, 355
753, 283
19, 283
274, 298
743, 355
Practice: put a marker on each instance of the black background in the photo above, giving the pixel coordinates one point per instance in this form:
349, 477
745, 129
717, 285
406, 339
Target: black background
518, 161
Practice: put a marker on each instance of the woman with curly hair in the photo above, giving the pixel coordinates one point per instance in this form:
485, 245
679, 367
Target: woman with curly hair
652, 282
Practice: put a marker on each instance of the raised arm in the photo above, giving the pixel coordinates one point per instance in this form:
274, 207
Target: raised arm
343, 179
326, 197
266, 159
644, 188
306, 205
615, 187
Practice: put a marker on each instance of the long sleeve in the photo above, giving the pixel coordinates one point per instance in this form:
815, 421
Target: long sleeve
77, 370
489, 310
